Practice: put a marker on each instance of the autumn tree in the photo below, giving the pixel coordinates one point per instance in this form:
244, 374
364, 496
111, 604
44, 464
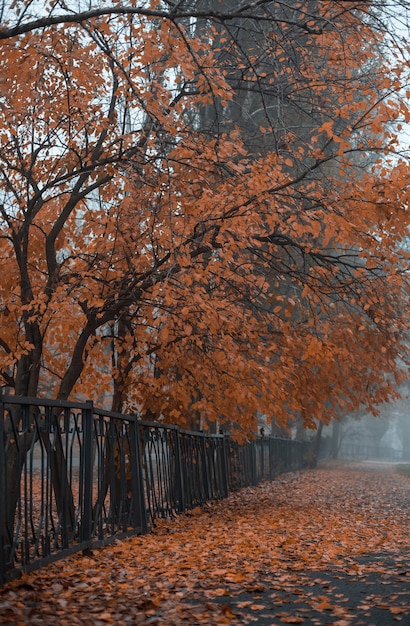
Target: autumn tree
288, 76
214, 268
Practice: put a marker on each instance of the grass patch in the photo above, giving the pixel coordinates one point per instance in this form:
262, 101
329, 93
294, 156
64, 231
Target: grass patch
404, 469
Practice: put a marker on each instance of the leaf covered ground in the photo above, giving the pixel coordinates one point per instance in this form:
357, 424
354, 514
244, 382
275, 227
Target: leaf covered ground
325, 546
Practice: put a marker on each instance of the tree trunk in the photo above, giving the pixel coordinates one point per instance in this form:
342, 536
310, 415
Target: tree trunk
317, 443
335, 443
76, 366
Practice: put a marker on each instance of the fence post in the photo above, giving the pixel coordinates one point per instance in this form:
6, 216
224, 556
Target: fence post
178, 474
271, 458
87, 463
3, 497
137, 481
205, 476
261, 446
224, 468
253, 463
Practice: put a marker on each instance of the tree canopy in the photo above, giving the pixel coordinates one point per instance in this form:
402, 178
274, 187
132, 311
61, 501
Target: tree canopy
204, 206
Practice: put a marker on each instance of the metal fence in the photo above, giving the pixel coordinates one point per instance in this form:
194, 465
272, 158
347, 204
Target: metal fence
73, 477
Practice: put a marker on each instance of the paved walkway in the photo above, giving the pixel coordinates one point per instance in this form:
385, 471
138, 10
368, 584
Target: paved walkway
332, 597
366, 588
325, 546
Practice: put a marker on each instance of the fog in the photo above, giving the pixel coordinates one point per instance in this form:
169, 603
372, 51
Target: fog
364, 436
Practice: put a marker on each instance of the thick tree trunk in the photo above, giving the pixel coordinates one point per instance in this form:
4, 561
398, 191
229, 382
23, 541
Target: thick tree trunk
16, 447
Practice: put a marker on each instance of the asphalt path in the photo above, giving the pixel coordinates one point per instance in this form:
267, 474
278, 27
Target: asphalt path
375, 593
324, 598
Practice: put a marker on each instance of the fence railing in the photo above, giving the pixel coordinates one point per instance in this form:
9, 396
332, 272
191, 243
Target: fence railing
73, 477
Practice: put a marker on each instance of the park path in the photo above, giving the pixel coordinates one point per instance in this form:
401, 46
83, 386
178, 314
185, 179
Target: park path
323, 546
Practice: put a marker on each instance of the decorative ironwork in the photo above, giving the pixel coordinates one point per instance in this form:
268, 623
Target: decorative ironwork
73, 477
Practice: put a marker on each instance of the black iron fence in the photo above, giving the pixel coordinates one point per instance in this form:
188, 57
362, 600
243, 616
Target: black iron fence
73, 477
